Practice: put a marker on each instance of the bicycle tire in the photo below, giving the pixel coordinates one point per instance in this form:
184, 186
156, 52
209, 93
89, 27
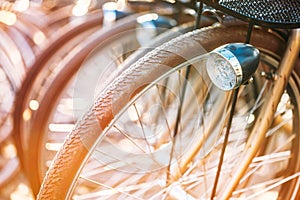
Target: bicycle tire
68, 162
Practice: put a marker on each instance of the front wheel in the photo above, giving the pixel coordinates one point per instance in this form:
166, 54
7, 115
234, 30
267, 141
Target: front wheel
156, 131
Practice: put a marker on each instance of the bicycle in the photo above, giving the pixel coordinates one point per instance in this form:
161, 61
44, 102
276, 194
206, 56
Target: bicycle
161, 130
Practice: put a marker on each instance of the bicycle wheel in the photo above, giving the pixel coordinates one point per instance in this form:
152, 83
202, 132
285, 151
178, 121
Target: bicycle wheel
9, 164
133, 143
10, 79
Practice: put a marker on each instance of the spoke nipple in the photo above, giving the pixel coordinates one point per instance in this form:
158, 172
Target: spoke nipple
251, 80
269, 75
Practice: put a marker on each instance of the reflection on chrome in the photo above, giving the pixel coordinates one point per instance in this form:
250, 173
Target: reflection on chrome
61, 127
39, 37
9, 151
81, 7
33, 104
21, 5
53, 146
22, 192
27, 114
8, 17
147, 17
